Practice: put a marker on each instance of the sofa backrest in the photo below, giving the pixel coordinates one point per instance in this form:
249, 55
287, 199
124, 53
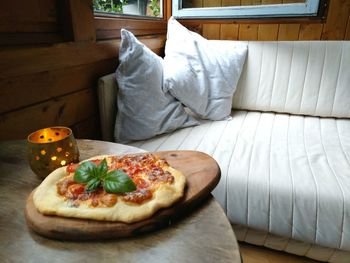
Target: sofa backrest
297, 77
107, 92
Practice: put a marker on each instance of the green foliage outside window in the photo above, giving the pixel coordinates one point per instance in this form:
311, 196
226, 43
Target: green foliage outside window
154, 6
116, 6
111, 6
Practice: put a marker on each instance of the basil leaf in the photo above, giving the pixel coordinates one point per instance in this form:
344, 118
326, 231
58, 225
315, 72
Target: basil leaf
118, 182
102, 169
93, 184
93, 175
85, 172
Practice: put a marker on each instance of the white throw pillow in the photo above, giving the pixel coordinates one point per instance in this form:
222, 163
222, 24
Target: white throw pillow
202, 74
144, 109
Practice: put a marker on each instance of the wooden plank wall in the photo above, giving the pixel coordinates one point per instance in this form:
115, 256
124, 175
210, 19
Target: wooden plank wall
52, 53
336, 26
51, 56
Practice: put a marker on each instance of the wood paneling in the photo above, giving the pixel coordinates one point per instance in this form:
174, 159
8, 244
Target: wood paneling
248, 32
211, 3
55, 76
109, 28
211, 31
44, 85
28, 26
268, 32
288, 31
66, 110
25, 38
33, 88
38, 59
197, 3
231, 2
88, 128
28, 16
27, 22
229, 32
310, 32
335, 26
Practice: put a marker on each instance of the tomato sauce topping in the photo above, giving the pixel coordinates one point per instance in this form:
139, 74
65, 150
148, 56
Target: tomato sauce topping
145, 170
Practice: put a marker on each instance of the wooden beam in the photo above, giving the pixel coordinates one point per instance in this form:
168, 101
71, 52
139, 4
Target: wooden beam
77, 20
113, 34
28, 16
108, 23
28, 26
27, 38
347, 33
18, 62
63, 111
167, 7
38, 87
338, 15
109, 28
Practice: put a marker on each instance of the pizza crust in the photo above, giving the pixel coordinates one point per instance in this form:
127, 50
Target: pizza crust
48, 202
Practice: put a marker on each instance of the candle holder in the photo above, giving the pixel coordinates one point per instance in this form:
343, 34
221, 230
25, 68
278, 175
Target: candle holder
51, 148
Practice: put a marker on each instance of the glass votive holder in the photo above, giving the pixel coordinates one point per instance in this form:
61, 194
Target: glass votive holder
51, 148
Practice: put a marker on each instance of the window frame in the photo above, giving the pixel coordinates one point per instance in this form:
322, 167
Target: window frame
108, 25
162, 15
311, 8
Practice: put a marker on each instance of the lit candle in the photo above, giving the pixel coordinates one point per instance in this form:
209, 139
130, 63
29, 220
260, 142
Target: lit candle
51, 148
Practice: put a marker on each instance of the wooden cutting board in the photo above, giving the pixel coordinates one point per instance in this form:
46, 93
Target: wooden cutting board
202, 175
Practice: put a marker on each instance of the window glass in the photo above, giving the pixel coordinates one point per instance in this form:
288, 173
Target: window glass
215, 3
244, 8
150, 8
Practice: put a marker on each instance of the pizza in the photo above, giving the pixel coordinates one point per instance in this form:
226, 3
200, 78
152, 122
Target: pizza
126, 189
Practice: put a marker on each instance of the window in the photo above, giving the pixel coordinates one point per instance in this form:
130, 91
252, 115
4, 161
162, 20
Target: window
149, 8
246, 8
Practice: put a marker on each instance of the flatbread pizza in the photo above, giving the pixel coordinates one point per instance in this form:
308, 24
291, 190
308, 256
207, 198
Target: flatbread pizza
126, 188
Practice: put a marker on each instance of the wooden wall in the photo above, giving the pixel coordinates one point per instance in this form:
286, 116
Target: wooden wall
51, 55
53, 51
335, 26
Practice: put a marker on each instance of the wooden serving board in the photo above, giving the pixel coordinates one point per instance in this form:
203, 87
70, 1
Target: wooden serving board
202, 175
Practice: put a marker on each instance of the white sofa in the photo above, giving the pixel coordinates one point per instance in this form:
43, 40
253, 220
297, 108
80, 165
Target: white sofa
285, 154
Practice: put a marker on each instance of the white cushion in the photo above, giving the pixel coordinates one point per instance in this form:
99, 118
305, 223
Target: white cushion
297, 77
144, 110
202, 74
283, 174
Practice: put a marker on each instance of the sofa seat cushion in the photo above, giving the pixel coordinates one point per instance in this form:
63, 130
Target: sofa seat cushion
285, 174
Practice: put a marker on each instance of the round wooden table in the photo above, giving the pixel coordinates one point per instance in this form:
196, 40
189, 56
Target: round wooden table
205, 235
